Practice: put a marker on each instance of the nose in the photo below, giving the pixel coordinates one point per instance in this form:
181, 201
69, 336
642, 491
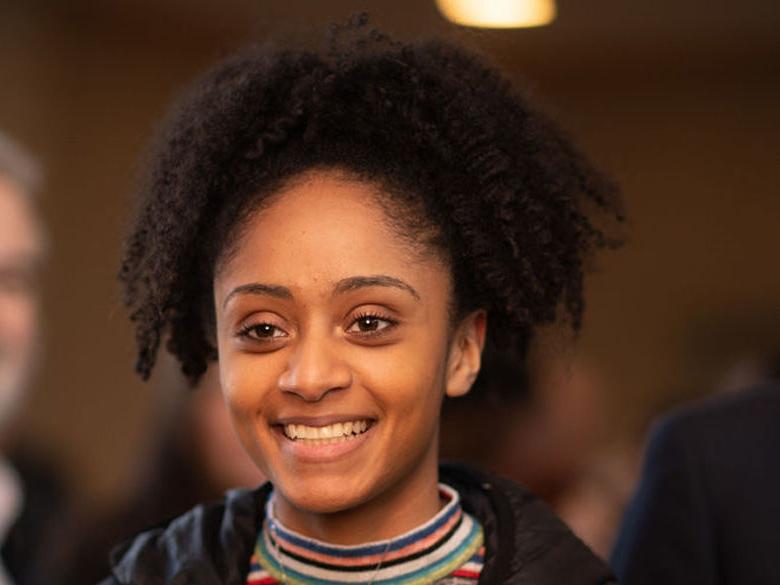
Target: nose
314, 369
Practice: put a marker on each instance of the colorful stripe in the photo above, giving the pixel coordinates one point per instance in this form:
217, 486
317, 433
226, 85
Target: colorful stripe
410, 551
442, 561
449, 545
451, 508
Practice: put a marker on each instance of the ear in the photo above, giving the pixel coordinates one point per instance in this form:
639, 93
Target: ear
465, 355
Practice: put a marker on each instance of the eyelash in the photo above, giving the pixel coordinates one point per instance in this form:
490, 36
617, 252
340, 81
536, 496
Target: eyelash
391, 324
246, 331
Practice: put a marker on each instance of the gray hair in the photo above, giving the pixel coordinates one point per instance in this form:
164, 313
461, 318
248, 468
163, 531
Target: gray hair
18, 165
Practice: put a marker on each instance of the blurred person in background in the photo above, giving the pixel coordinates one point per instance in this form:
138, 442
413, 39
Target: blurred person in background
197, 459
32, 502
544, 428
707, 509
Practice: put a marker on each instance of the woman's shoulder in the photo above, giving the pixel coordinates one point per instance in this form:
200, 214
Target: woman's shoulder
213, 541
525, 541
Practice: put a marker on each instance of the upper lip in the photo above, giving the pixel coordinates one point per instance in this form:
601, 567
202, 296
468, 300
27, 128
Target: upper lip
320, 421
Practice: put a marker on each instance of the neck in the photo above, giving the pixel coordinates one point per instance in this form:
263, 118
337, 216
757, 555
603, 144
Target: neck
398, 509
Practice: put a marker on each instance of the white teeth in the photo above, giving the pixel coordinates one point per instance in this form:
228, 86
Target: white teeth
327, 434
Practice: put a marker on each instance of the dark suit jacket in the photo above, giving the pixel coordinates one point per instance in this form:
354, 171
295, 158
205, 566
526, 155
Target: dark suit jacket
707, 509
35, 543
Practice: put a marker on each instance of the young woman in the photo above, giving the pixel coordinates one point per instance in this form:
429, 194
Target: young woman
343, 233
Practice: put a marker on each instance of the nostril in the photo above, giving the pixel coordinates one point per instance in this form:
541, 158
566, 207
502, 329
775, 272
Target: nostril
313, 387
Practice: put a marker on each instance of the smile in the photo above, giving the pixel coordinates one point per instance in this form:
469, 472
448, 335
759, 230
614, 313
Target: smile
319, 440
327, 434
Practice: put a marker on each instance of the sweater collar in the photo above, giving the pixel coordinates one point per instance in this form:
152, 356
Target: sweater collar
433, 550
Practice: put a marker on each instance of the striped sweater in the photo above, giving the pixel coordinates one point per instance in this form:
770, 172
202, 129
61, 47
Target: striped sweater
448, 549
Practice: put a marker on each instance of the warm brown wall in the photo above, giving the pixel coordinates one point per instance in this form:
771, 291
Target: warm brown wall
693, 144
698, 161
86, 98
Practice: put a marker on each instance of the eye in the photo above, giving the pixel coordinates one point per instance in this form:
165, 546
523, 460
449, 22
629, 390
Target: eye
370, 324
262, 331
17, 281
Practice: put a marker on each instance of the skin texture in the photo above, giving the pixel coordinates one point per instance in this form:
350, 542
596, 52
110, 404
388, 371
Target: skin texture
225, 461
20, 256
386, 352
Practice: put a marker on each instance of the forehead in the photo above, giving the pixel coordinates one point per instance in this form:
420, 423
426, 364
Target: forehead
323, 227
19, 231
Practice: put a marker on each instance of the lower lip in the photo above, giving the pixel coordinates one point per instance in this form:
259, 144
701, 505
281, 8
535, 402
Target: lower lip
308, 452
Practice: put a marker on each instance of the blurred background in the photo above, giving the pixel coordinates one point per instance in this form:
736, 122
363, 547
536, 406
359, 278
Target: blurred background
678, 100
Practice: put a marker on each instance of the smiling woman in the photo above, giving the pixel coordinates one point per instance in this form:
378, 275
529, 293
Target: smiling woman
355, 331
344, 233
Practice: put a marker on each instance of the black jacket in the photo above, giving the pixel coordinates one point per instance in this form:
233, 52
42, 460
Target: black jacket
708, 505
526, 544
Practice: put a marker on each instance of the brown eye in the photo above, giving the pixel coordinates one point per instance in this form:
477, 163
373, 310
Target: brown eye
262, 331
266, 330
369, 324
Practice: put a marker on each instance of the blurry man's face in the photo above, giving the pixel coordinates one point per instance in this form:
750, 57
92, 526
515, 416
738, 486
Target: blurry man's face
20, 254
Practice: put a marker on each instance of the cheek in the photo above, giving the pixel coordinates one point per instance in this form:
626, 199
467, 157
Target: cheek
245, 388
245, 383
407, 380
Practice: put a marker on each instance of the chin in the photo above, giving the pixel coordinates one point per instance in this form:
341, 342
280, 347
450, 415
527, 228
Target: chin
324, 495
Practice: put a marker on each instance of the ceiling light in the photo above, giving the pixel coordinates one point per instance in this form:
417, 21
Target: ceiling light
498, 13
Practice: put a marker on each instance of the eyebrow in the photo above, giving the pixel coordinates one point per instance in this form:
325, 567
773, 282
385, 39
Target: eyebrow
357, 282
256, 288
342, 286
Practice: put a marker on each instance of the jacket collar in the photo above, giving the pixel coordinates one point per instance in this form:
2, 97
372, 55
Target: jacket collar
212, 544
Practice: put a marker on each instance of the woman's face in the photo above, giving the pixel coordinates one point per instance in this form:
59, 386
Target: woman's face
336, 346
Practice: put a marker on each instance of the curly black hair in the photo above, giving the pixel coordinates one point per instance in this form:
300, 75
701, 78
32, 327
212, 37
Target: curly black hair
446, 136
